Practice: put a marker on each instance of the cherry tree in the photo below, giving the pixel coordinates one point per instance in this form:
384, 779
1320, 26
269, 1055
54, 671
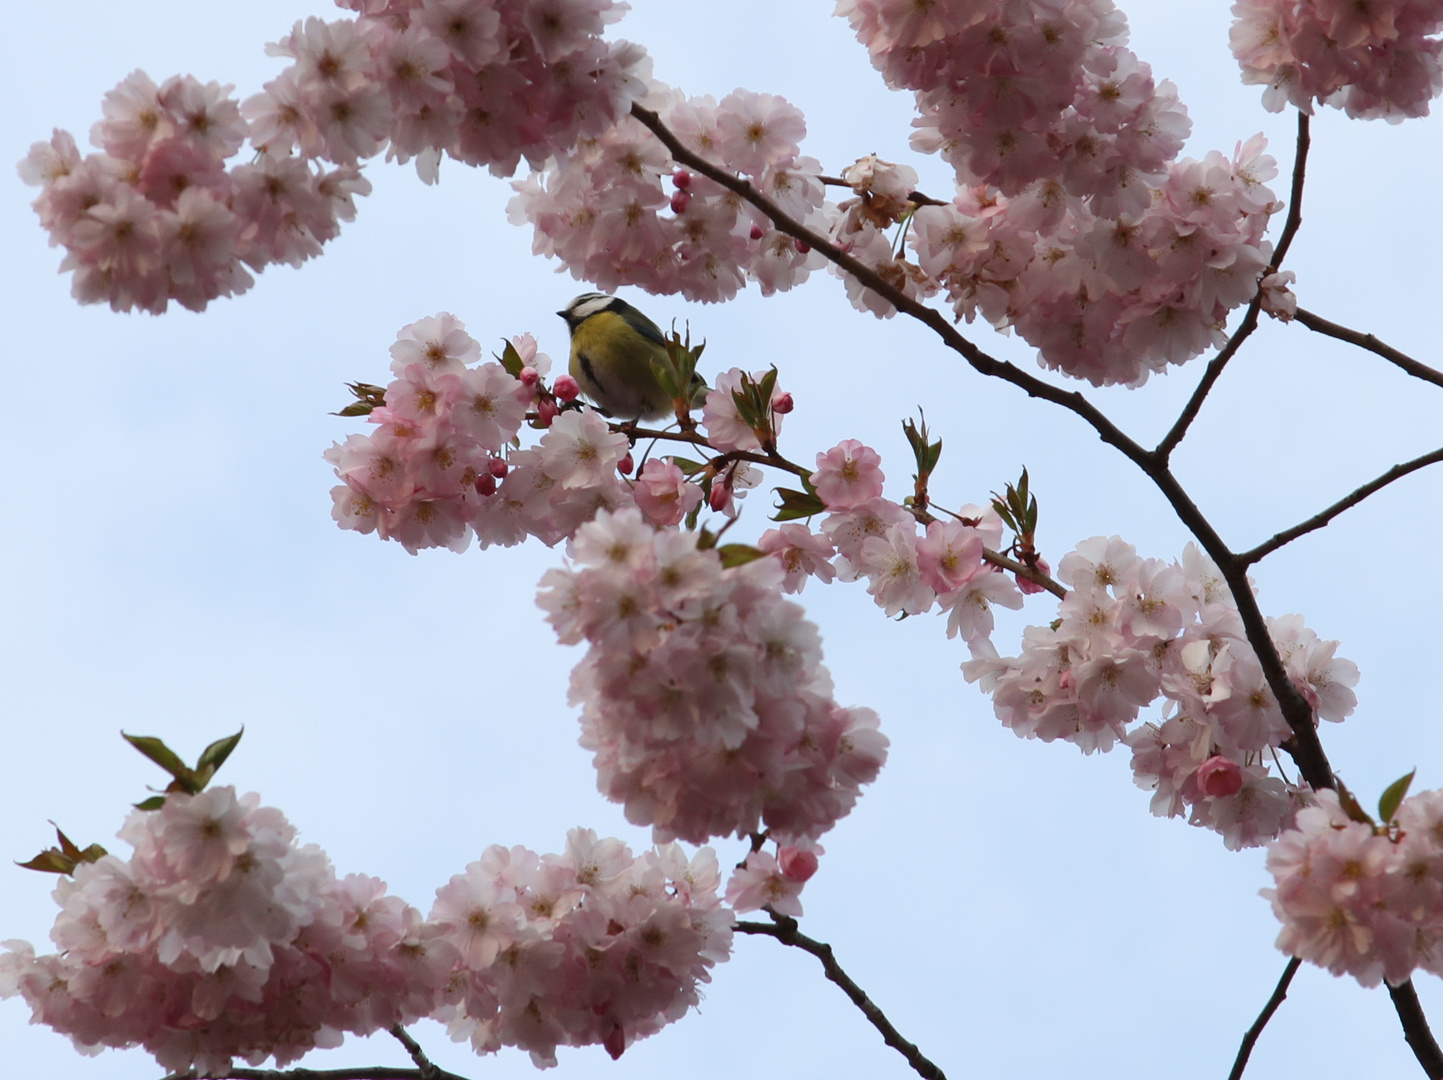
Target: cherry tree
1045, 189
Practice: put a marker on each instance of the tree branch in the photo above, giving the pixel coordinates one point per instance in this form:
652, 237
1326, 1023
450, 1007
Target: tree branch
785, 931
1250, 319
1251, 1035
1318, 520
1415, 1029
375, 1072
1304, 746
1367, 341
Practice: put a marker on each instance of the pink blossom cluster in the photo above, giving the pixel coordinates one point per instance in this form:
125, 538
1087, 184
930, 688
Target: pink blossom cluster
595, 946
445, 462
220, 938
616, 209
1360, 899
1373, 59
1109, 298
705, 701
1134, 629
157, 216
909, 568
1011, 94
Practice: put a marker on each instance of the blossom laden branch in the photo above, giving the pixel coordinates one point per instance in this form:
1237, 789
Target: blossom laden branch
362, 1073
1305, 747
1250, 1037
1318, 520
1245, 329
784, 929
1320, 325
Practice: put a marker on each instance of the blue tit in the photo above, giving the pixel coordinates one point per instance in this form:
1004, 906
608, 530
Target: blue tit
612, 348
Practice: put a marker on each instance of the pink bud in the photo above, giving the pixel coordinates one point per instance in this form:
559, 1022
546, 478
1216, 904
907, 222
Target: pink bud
721, 497
625, 465
782, 403
1219, 777
566, 388
797, 864
546, 410
486, 484
1032, 587
679, 202
615, 1041
802, 248
681, 178
498, 468
529, 377
757, 233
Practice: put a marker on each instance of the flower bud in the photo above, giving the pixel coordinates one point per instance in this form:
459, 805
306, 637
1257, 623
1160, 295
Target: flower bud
485, 484
1219, 777
566, 388
546, 410
721, 497
498, 468
797, 864
681, 178
1031, 587
625, 465
757, 233
529, 377
782, 403
679, 202
802, 248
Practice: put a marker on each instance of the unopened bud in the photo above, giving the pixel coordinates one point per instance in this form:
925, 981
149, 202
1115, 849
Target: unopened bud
681, 178
625, 465
757, 233
721, 497
529, 377
797, 864
498, 468
679, 202
802, 248
782, 403
566, 388
546, 410
486, 484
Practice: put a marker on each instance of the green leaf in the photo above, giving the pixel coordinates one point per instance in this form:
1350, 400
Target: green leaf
359, 408
155, 802
1393, 796
792, 505
510, 359
50, 862
1352, 807
688, 466
159, 753
739, 554
214, 755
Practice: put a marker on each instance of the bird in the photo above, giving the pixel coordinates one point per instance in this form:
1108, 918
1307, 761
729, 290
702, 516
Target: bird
612, 349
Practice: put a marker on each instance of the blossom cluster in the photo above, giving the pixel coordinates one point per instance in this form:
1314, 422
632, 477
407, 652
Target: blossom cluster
221, 938
604, 210
1134, 629
445, 462
1360, 899
157, 215
595, 946
1373, 60
705, 701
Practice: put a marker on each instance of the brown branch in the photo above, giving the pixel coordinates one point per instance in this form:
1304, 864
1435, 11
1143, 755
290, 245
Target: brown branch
1250, 319
423, 1063
1367, 341
1251, 1035
784, 929
1304, 746
1318, 520
1415, 1029
362, 1073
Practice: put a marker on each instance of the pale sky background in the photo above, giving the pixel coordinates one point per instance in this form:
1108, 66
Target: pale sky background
172, 569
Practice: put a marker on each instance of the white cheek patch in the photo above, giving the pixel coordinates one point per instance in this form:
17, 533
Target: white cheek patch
583, 307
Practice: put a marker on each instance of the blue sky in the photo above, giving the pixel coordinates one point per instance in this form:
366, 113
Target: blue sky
171, 569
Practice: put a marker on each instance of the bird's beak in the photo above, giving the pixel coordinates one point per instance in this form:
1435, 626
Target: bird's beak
562, 314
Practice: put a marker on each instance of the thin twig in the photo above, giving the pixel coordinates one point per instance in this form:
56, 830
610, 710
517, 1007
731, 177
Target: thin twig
1318, 520
428, 1069
1251, 1035
1367, 341
1304, 746
1415, 1029
785, 930
1250, 318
